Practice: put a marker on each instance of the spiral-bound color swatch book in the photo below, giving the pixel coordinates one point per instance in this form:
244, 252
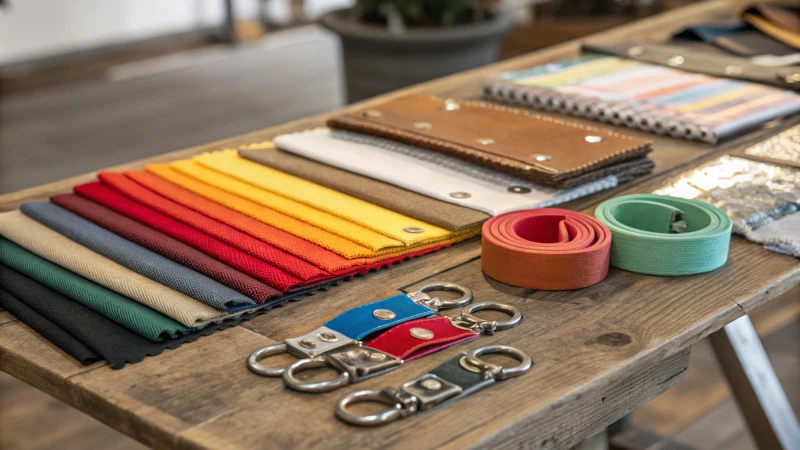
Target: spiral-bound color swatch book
653, 98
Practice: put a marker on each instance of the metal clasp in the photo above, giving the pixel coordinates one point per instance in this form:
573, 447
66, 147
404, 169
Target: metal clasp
309, 345
430, 390
355, 364
421, 297
467, 321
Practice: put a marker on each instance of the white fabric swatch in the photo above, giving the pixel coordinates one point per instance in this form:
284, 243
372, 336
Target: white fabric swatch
430, 173
782, 235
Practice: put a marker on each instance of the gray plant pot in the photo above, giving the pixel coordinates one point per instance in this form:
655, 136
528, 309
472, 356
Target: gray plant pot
377, 61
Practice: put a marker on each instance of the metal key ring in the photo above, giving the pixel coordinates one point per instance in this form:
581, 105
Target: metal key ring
473, 359
516, 315
373, 419
313, 386
255, 358
466, 293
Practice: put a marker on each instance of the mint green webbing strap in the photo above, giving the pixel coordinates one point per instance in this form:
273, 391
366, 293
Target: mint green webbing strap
667, 236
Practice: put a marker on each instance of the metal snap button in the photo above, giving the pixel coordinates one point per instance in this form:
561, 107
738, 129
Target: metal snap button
518, 190
413, 229
422, 334
431, 384
541, 158
593, 139
733, 70
327, 337
372, 113
485, 141
422, 125
308, 343
383, 314
676, 60
636, 51
450, 105
460, 195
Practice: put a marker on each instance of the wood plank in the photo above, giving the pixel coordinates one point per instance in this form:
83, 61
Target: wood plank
572, 335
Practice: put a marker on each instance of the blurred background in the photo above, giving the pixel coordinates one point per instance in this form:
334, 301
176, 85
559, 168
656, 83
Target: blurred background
87, 84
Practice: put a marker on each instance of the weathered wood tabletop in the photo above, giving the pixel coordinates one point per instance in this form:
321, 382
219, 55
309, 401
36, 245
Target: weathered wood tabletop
599, 352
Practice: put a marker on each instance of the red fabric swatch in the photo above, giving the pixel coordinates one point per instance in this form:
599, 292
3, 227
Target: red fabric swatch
231, 236
213, 247
166, 246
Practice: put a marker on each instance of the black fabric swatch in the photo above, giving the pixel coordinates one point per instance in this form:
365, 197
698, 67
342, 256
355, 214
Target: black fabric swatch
106, 338
47, 329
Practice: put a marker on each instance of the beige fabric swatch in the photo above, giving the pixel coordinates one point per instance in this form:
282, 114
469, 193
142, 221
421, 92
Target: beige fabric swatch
56, 248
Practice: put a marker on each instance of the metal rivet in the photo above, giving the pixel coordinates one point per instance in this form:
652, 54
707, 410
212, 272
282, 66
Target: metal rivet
377, 356
541, 158
372, 113
518, 190
676, 60
593, 139
636, 51
793, 78
413, 229
308, 343
451, 105
423, 125
460, 195
327, 337
485, 141
431, 384
733, 70
383, 314
423, 334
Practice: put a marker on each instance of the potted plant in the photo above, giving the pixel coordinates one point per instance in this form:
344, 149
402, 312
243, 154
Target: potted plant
389, 44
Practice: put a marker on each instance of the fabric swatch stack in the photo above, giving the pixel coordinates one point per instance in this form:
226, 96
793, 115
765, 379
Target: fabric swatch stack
654, 98
140, 261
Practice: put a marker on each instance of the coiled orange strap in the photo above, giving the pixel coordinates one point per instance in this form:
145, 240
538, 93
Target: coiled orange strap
548, 249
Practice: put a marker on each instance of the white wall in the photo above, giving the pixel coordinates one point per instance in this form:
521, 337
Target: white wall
35, 28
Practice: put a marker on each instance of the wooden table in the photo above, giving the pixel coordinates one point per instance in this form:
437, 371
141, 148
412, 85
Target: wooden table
599, 352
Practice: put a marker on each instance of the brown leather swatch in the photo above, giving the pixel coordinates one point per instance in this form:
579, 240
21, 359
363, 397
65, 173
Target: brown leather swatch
412, 204
540, 149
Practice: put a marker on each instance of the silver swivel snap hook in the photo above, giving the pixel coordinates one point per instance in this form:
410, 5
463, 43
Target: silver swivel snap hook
468, 321
452, 380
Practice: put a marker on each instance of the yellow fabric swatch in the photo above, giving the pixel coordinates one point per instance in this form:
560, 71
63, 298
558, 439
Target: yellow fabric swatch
391, 224
338, 226
310, 233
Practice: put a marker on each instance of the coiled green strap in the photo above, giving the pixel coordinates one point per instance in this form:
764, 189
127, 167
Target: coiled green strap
668, 236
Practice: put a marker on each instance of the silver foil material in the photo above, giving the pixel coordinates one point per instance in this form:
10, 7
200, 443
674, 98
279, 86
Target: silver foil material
751, 193
782, 148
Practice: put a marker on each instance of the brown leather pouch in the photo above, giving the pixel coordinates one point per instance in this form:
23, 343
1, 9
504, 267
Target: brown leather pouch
544, 150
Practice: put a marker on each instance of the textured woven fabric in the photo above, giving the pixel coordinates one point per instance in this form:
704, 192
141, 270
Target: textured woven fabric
407, 202
374, 217
315, 254
256, 211
213, 247
136, 258
166, 246
231, 236
547, 249
122, 310
48, 244
112, 342
668, 236
352, 232
433, 174
136, 317
782, 235
47, 329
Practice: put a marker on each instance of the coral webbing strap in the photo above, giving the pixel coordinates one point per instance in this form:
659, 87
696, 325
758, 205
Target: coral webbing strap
659, 235
548, 249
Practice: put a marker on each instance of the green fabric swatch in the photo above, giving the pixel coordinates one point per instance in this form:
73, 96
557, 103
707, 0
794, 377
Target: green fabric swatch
667, 236
122, 310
